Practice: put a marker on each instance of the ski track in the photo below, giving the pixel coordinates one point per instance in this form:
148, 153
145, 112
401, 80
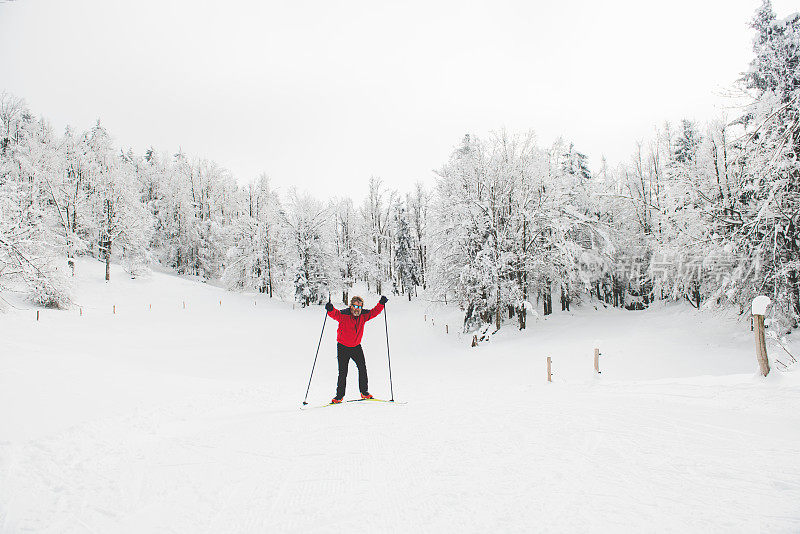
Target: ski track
559, 467
479, 446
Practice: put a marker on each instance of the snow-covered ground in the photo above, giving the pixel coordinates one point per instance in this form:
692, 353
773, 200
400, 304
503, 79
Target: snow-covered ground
160, 418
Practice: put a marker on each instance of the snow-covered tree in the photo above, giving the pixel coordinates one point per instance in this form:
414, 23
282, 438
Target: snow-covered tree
312, 268
768, 239
120, 219
376, 234
687, 143
32, 249
256, 259
405, 254
350, 258
418, 207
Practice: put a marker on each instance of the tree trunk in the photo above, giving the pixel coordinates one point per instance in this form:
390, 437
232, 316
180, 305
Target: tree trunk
547, 298
421, 266
794, 297
498, 315
269, 272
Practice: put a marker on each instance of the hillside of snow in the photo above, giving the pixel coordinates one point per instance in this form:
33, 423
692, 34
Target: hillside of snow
163, 404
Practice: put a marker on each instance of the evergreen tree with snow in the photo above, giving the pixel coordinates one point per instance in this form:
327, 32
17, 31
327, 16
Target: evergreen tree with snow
418, 205
405, 256
687, 143
767, 238
312, 264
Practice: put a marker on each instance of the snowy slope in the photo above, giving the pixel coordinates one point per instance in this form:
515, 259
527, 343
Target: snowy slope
161, 418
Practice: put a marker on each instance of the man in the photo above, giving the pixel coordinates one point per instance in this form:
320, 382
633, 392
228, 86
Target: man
348, 338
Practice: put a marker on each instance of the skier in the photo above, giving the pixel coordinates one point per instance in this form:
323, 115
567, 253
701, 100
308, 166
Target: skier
348, 337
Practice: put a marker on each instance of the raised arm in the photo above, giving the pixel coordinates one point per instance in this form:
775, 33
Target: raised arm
371, 314
333, 313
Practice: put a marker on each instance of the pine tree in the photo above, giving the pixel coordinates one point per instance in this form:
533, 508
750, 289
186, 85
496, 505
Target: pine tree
405, 256
769, 188
687, 143
309, 225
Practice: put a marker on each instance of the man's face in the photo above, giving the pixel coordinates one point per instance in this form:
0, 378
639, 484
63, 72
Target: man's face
355, 308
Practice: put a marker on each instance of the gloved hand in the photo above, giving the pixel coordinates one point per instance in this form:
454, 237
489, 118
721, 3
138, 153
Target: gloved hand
329, 306
383, 300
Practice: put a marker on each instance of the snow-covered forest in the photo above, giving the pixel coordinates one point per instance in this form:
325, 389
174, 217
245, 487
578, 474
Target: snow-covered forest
706, 213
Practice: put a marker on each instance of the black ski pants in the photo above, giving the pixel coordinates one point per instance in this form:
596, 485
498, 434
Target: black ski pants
345, 354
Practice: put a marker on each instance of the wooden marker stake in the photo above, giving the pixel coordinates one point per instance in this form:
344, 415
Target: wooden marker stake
549, 370
597, 361
761, 345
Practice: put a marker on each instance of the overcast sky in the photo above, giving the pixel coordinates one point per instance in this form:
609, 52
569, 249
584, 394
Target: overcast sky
325, 94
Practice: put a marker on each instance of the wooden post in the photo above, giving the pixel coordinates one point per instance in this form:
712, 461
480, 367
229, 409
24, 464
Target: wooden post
475, 340
447, 329
549, 370
37, 315
114, 309
761, 345
81, 308
426, 317
759, 309
597, 361
149, 306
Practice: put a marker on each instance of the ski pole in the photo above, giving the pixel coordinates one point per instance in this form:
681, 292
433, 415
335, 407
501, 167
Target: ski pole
386, 323
305, 401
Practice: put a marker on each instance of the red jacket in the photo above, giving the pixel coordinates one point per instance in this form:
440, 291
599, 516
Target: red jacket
351, 328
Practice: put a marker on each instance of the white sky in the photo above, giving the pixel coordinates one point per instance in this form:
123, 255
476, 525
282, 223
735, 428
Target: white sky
325, 94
